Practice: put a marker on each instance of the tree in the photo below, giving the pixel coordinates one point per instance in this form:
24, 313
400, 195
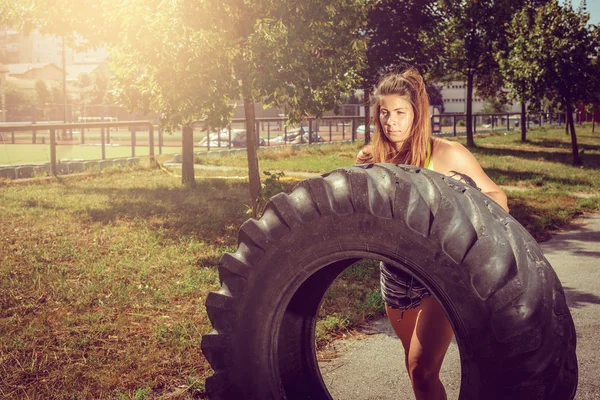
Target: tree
521, 87
494, 105
190, 59
84, 80
101, 85
80, 24
471, 32
398, 32
17, 96
553, 56
435, 95
299, 55
56, 95
43, 94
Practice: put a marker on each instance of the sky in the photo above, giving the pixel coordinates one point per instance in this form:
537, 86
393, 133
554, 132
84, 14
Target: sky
593, 7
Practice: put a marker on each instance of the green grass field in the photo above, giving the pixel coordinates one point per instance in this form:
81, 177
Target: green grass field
40, 153
104, 276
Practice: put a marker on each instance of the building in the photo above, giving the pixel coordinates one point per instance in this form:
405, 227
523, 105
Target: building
43, 71
455, 99
20, 48
74, 71
3, 78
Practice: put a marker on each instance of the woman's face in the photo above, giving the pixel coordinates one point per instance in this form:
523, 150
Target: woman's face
396, 116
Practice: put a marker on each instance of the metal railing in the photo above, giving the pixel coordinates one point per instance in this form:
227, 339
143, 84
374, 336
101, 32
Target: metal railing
309, 131
105, 127
328, 128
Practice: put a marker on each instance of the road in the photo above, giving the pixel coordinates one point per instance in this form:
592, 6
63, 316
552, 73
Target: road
372, 368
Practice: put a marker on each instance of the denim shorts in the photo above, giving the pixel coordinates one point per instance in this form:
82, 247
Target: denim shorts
400, 290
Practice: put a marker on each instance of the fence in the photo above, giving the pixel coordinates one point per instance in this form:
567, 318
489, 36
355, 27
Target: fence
43, 131
74, 112
89, 140
324, 129
274, 131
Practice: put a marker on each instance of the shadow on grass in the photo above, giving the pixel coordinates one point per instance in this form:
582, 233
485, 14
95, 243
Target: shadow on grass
541, 224
566, 145
563, 157
501, 176
211, 212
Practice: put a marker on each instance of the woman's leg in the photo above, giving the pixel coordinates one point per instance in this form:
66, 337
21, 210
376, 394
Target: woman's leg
425, 333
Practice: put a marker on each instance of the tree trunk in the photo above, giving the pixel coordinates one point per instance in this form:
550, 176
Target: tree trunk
470, 141
251, 146
576, 157
523, 123
367, 105
187, 156
567, 119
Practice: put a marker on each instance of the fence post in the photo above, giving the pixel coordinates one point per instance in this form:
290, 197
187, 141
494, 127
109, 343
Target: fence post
454, 122
330, 130
103, 140
507, 122
285, 132
474, 124
229, 131
354, 129
104, 109
309, 132
33, 121
70, 119
53, 152
151, 145
343, 130
132, 129
207, 137
160, 139
257, 134
269, 133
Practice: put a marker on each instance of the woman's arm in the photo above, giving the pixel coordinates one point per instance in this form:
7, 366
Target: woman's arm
455, 157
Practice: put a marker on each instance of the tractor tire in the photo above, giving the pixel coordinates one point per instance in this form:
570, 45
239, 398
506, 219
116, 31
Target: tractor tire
513, 328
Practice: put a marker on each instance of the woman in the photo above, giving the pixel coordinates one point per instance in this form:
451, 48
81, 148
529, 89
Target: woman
403, 136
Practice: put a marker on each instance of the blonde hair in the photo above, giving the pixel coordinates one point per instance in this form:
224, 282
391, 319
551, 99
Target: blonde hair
419, 145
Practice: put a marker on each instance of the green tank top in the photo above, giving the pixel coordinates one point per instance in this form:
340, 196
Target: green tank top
429, 159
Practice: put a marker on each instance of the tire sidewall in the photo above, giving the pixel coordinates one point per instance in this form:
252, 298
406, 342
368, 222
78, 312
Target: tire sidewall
281, 271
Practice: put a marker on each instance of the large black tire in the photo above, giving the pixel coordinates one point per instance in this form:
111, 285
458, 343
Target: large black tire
506, 305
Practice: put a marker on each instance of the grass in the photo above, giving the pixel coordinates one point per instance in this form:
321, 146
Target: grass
544, 189
103, 283
40, 153
104, 276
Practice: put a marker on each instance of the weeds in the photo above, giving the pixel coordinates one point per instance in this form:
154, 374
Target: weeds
104, 276
271, 186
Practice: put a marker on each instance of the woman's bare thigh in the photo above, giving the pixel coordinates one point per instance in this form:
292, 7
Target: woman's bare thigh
432, 335
403, 324
424, 331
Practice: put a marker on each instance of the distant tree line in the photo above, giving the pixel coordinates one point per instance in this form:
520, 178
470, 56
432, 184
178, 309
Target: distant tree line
189, 59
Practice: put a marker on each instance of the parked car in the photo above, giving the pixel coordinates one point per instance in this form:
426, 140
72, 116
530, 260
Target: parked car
361, 129
238, 139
